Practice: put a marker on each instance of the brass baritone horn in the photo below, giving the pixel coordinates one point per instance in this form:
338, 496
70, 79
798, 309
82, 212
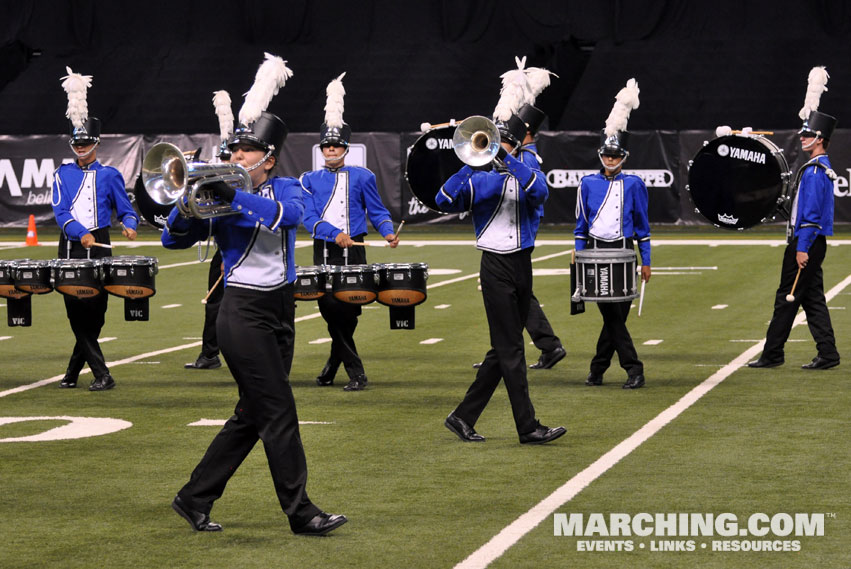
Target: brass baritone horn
476, 141
168, 177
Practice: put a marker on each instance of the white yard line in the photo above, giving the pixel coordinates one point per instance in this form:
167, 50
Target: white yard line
512, 533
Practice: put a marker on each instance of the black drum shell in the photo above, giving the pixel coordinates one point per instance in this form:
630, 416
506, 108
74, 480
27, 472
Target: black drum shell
606, 275
354, 284
431, 161
7, 281
402, 284
130, 276
80, 278
32, 276
311, 282
737, 182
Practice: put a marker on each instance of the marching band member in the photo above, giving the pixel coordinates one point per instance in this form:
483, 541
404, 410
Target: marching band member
810, 222
84, 195
255, 326
611, 212
504, 203
337, 201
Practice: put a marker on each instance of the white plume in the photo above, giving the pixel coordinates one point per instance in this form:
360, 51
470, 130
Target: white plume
816, 85
221, 102
538, 79
271, 76
76, 86
514, 92
334, 102
625, 101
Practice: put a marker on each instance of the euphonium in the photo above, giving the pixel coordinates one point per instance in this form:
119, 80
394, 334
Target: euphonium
476, 141
168, 178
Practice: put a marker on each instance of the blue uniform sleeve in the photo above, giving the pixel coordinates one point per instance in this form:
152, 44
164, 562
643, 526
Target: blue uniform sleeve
580, 234
286, 210
810, 205
456, 194
182, 232
118, 196
313, 222
378, 214
534, 185
640, 220
62, 200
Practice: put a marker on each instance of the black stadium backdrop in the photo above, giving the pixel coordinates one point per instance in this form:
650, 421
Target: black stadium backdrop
156, 64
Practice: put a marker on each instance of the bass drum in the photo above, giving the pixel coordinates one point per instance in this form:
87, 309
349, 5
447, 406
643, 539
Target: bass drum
431, 160
737, 181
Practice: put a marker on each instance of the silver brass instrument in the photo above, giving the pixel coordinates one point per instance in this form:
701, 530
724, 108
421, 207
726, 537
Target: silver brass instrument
476, 141
169, 178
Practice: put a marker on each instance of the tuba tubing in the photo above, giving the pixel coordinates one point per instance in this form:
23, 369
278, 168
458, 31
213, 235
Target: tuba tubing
168, 178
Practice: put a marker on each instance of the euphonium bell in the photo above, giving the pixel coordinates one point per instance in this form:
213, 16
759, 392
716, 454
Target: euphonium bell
476, 141
167, 177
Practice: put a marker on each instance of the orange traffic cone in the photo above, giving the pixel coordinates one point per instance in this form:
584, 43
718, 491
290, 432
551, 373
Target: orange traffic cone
32, 237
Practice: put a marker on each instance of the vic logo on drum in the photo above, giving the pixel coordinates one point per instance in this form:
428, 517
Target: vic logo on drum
741, 154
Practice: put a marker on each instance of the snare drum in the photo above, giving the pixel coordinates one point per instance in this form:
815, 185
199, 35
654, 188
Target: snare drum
355, 284
606, 275
402, 284
738, 181
310, 282
130, 276
80, 278
32, 276
7, 281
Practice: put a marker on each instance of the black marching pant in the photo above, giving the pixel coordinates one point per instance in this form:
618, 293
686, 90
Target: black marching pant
506, 290
256, 332
341, 317
209, 341
86, 315
809, 294
615, 337
539, 328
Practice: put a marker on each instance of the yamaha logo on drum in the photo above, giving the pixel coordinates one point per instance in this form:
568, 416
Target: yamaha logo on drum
741, 154
439, 144
431, 143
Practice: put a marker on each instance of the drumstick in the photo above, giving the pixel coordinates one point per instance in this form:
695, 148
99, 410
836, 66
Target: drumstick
641, 298
359, 244
212, 288
791, 296
105, 246
398, 231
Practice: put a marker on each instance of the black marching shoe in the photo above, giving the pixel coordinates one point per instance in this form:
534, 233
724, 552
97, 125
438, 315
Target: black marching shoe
356, 383
634, 382
68, 382
464, 431
477, 365
762, 362
549, 359
205, 363
326, 376
102, 383
198, 520
594, 379
542, 435
321, 524
820, 363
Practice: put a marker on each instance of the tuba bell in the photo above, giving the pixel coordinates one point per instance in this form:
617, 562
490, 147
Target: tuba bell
476, 141
169, 178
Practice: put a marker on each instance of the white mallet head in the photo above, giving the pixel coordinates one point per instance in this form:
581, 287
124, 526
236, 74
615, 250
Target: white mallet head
790, 298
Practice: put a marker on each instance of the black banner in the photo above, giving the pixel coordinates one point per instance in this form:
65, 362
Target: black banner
660, 158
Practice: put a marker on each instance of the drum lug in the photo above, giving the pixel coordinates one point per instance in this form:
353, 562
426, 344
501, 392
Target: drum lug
705, 142
690, 163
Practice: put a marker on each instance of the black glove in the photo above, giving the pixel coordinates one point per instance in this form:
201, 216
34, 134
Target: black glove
501, 153
223, 191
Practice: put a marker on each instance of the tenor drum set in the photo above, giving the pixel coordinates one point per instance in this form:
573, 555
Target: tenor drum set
399, 286
127, 276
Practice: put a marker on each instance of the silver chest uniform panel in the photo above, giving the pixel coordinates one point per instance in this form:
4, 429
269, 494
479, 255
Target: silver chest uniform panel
263, 265
502, 233
84, 207
608, 224
336, 211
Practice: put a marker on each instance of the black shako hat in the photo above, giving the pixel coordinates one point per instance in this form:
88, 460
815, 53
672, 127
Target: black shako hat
819, 124
266, 133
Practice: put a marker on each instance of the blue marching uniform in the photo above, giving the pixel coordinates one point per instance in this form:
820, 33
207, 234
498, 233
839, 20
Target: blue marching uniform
340, 200
83, 201
504, 204
810, 222
256, 331
611, 213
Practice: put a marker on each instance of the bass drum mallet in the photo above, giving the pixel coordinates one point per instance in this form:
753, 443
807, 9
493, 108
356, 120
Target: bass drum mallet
791, 296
